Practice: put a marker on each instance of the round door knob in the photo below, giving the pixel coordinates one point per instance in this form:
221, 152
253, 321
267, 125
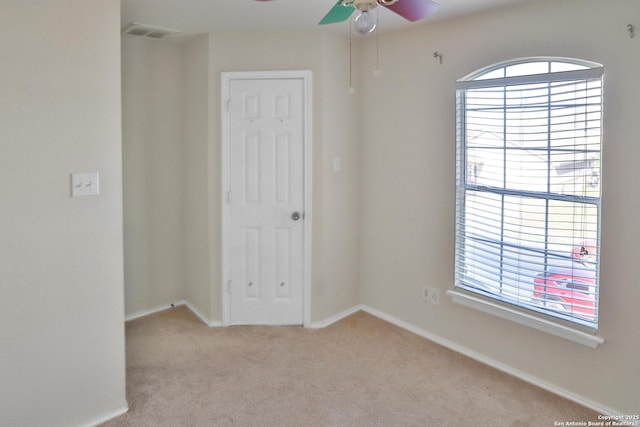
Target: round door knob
295, 216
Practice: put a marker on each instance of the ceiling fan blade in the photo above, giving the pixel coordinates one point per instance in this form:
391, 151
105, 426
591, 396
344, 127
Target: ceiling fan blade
338, 13
413, 10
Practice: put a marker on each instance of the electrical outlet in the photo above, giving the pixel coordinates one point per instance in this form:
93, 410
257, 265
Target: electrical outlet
431, 295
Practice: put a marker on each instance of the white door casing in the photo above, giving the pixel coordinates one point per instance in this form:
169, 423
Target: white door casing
266, 190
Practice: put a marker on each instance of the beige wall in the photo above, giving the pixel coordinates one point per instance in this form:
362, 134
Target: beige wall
334, 289
153, 106
408, 162
196, 183
61, 258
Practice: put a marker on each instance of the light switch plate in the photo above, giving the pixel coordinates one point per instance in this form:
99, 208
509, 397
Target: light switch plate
85, 184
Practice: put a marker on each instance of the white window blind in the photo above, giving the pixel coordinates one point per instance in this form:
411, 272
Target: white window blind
528, 186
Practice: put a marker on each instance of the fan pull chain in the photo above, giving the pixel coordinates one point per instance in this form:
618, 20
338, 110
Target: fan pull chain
351, 89
377, 72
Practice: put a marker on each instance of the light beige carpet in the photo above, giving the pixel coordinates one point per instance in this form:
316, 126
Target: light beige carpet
361, 371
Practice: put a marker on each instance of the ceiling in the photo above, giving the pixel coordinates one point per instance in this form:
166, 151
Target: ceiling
204, 16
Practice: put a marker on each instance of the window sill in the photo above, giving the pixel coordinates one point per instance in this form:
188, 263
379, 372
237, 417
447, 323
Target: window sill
547, 326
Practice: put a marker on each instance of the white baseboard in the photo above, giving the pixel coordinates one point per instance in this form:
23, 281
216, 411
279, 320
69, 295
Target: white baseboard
333, 319
210, 323
151, 311
190, 306
493, 363
109, 416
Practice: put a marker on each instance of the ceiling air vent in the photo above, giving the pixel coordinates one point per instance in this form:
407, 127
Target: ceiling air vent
136, 29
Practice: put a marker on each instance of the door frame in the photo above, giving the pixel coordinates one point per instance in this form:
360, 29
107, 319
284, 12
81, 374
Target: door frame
226, 78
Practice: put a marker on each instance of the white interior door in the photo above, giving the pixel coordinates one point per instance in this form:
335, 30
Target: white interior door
265, 247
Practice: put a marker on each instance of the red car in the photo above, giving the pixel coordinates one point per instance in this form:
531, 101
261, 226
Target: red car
569, 290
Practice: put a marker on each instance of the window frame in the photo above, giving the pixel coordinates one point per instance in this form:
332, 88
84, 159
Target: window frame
485, 301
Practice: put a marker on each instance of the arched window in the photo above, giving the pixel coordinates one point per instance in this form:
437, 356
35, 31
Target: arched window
529, 134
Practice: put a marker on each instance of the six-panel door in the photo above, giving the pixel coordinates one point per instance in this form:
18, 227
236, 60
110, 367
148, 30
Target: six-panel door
266, 153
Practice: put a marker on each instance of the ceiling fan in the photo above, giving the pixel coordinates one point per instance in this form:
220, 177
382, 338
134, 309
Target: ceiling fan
364, 23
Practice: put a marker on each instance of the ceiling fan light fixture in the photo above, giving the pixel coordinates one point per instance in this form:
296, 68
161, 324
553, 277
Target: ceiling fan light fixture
365, 22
